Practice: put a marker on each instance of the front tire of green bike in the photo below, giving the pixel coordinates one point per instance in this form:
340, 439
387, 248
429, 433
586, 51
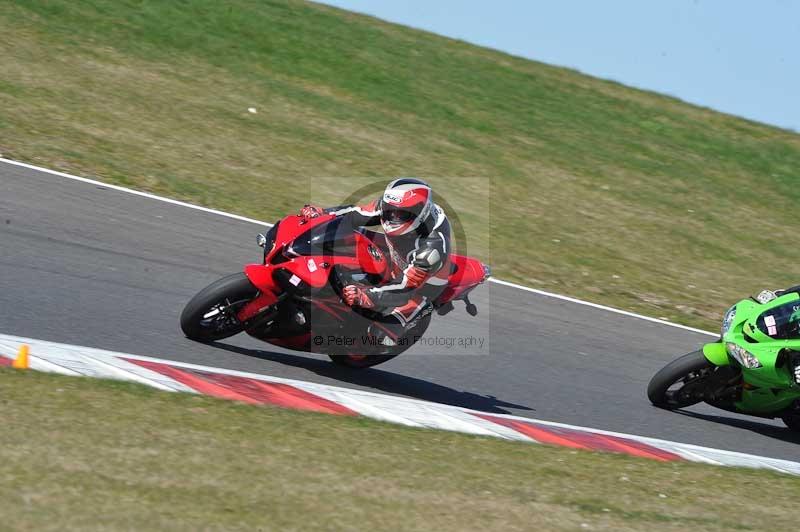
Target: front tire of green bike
673, 386
792, 421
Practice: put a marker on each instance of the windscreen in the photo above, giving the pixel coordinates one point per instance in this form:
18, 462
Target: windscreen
333, 238
782, 322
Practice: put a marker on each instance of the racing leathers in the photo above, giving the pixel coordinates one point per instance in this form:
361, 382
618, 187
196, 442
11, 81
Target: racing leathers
419, 262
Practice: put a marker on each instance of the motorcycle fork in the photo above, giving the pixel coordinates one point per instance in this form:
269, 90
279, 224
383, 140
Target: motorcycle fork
725, 388
259, 308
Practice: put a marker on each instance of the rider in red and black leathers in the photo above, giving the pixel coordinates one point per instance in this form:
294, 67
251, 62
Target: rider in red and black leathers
418, 237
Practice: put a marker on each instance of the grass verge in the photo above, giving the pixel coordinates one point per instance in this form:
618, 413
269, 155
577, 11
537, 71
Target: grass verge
79, 453
612, 194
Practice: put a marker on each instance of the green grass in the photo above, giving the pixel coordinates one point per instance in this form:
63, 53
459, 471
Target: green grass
597, 190
86, 454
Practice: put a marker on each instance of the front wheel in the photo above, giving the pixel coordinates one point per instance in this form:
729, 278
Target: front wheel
211, 314
792, 421
680, 383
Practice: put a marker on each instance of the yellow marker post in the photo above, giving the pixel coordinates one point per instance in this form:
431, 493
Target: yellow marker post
22, 361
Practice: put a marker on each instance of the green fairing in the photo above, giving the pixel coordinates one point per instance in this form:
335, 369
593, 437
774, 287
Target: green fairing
716, 354
769, 389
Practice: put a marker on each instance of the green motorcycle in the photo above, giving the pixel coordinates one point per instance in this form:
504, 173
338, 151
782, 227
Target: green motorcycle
753, 369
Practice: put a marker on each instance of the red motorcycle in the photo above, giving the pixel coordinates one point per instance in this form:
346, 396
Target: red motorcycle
293, 299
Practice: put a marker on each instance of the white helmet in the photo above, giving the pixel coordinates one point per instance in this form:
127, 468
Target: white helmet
406, 204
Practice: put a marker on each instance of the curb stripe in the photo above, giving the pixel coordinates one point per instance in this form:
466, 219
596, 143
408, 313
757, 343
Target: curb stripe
539, 434
583, 440
247, 390
293, 393
254, 391
634, 448
278, 394
195, 382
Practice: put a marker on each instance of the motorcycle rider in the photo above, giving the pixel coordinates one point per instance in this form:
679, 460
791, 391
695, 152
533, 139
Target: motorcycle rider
418, 237
765, 296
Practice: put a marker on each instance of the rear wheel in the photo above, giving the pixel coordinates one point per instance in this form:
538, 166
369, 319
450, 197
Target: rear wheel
361, 361
680, 383
211, 314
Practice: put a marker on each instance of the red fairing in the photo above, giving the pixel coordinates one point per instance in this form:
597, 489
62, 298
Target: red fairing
290, 227
469, 274
256, 306
311, 270
370, 257
261, 277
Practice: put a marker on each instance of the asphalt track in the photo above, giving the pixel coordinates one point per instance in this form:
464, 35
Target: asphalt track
88, 265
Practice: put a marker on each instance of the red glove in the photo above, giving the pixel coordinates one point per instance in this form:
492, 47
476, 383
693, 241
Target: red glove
355, 296
416, 277
311, 211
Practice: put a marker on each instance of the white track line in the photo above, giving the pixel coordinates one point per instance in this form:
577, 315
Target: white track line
267, 224
134, 192
601, 307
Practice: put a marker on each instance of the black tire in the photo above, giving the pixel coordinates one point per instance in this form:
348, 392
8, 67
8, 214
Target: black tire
226, 295
792, 421
368, 360
688, 370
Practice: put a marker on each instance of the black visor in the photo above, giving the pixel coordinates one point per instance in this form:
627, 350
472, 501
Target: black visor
393, 214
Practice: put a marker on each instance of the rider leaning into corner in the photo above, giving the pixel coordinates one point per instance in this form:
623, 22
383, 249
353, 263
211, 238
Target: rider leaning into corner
418, 237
